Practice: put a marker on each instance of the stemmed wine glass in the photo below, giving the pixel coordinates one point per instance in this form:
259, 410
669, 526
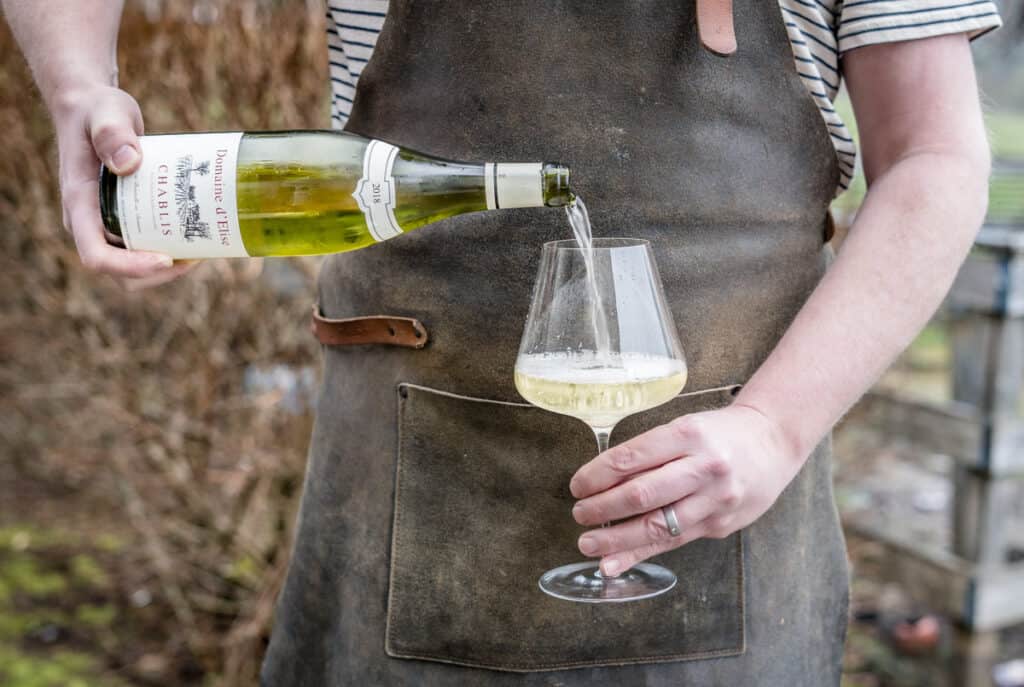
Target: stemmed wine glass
599, 345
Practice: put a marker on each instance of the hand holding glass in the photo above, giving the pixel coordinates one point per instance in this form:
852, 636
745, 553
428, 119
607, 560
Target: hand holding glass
600, 350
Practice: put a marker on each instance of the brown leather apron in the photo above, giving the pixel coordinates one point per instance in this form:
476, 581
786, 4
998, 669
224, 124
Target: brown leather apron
434, 497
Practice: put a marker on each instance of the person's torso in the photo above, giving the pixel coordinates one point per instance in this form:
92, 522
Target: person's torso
435, 497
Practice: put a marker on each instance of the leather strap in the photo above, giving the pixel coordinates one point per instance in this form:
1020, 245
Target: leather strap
377, 329
715, 26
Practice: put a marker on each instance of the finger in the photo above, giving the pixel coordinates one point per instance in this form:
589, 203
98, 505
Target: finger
97, 255
620, 562
114, 126
179, 268
649, 528
646, 492
649, 450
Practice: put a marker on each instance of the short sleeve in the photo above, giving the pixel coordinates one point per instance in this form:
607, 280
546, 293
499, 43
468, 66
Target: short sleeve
868, 22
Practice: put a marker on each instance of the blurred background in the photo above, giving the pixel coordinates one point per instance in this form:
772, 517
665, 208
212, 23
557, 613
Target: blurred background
152, 444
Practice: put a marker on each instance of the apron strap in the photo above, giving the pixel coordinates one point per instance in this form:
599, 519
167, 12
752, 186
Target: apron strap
378, 329
715, 26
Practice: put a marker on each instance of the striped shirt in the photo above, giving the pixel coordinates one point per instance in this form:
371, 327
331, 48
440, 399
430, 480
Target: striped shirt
820, 31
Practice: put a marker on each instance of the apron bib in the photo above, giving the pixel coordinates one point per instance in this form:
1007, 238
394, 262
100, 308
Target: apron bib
435, 497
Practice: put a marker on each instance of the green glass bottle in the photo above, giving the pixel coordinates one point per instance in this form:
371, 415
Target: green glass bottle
301, 193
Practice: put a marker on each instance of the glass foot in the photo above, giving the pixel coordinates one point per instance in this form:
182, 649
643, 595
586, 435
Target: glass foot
584, 582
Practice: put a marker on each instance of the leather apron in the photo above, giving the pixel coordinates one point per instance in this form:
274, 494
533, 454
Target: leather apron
434, 496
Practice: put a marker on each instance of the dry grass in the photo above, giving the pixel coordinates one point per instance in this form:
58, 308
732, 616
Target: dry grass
140, 395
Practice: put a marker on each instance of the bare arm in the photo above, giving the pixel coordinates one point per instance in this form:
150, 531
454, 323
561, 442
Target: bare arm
926, 158
927, 164
70, 46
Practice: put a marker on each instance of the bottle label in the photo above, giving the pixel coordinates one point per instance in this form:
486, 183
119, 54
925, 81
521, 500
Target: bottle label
514, 185
375, 192
182, 201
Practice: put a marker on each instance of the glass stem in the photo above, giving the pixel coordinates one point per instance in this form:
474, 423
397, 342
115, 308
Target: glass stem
602, 434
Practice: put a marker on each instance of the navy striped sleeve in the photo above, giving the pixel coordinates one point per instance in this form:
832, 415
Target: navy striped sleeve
870, 22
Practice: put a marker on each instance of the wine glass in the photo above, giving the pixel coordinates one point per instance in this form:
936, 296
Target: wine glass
599, 345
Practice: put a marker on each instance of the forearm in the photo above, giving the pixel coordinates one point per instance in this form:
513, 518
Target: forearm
68, 43
903, 251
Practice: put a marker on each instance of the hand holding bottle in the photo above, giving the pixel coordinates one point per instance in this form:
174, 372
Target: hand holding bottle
102, 124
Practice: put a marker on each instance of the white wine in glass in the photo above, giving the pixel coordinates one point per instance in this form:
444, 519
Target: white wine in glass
600, 345
598, 390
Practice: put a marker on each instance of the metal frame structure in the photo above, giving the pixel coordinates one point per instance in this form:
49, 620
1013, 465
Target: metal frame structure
972, 579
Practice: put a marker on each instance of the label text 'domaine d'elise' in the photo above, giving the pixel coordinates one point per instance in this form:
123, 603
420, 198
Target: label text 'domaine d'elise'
223, 224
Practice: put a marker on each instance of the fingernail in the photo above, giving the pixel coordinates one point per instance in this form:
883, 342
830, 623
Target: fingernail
573, 486
611, 568
577, 512
163, 260
588, 544
124, 158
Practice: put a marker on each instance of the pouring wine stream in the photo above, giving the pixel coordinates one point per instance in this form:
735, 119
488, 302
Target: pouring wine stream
579, 220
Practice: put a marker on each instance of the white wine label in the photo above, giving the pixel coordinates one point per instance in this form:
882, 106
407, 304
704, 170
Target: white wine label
375, 192
513, 185
182, 201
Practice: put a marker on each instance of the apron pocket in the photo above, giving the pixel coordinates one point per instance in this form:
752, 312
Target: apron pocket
482, 509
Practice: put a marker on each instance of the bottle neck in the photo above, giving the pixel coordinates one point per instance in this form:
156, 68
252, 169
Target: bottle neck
556, 185
526, 185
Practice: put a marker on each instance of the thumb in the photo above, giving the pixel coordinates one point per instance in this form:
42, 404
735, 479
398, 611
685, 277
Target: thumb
113, 126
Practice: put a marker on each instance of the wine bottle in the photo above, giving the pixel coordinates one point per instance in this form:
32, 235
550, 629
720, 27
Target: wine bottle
301, 193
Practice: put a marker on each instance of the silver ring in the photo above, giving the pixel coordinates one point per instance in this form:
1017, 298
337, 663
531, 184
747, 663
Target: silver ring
670, 520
